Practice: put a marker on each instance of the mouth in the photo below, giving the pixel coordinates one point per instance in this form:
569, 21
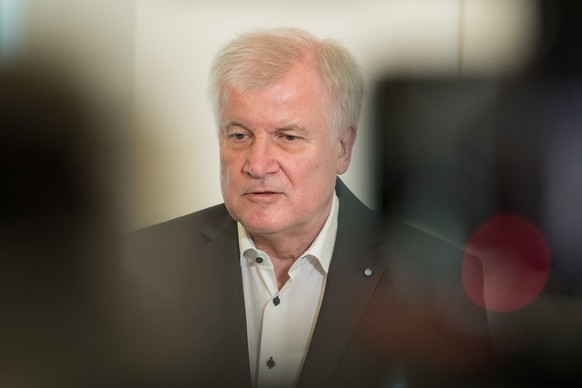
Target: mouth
262, 195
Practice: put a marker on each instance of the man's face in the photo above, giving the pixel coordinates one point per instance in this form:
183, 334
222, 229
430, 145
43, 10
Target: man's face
278, 156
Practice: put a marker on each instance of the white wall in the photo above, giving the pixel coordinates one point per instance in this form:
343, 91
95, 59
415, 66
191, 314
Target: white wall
176, 157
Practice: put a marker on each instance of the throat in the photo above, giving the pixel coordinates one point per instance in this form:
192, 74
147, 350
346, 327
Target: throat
281, 268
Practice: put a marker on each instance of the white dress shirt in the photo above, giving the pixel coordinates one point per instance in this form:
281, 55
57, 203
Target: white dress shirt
280, 322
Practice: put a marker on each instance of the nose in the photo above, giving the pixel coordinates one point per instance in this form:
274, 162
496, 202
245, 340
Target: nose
261, 159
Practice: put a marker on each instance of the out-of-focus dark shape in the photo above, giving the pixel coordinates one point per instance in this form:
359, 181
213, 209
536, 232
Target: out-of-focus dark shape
57, 233
454, 154
559, 38
426, 176
538, 138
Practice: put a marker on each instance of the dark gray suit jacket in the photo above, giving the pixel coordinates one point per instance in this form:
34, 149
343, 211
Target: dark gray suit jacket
184, 318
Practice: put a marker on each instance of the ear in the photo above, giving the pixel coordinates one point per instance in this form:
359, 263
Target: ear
345, 143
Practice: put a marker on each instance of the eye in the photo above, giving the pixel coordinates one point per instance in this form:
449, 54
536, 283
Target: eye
238, 136
290, 138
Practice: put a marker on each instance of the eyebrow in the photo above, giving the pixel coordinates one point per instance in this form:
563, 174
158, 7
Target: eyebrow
230, 124
291, 127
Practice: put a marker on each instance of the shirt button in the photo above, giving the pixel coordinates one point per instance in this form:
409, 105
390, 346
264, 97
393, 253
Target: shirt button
276, 301
271, 363
259, 260
368, 272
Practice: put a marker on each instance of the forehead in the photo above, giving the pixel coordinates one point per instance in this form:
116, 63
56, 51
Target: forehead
298, 95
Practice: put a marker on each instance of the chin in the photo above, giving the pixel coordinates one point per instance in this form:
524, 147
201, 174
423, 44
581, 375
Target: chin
260, 228
260, 225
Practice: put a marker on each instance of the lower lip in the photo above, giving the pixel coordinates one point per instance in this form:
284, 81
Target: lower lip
263, 196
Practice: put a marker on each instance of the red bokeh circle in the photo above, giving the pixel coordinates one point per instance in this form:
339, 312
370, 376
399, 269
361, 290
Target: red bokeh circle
506, 264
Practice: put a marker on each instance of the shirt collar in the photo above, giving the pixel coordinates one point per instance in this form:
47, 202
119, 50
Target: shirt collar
321, 249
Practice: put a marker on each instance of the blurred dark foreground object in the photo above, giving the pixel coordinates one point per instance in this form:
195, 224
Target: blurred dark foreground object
455, 153
57, 234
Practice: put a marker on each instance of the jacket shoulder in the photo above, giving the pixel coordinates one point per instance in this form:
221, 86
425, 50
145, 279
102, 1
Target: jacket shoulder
199, 217
189, 230
190, 223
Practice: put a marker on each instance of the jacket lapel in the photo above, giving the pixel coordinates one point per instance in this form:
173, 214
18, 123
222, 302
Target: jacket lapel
218, 274
354, 273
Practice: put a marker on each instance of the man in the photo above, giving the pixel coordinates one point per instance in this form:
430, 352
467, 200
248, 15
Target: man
285, 284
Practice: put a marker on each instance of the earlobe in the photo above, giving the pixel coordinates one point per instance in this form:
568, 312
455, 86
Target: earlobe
346, 143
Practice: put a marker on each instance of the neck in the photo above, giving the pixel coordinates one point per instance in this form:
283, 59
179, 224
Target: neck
284, 251
286, 248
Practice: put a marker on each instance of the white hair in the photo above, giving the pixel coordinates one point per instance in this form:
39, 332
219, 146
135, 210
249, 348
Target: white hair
262, 58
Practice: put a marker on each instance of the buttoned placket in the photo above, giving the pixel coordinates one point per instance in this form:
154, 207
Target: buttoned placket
273, 353
271, 345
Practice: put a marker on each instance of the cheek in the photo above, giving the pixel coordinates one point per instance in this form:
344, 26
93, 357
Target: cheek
226, 162
229, 173
223, 182
327, 164
314, 174
222, 169
224, 178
